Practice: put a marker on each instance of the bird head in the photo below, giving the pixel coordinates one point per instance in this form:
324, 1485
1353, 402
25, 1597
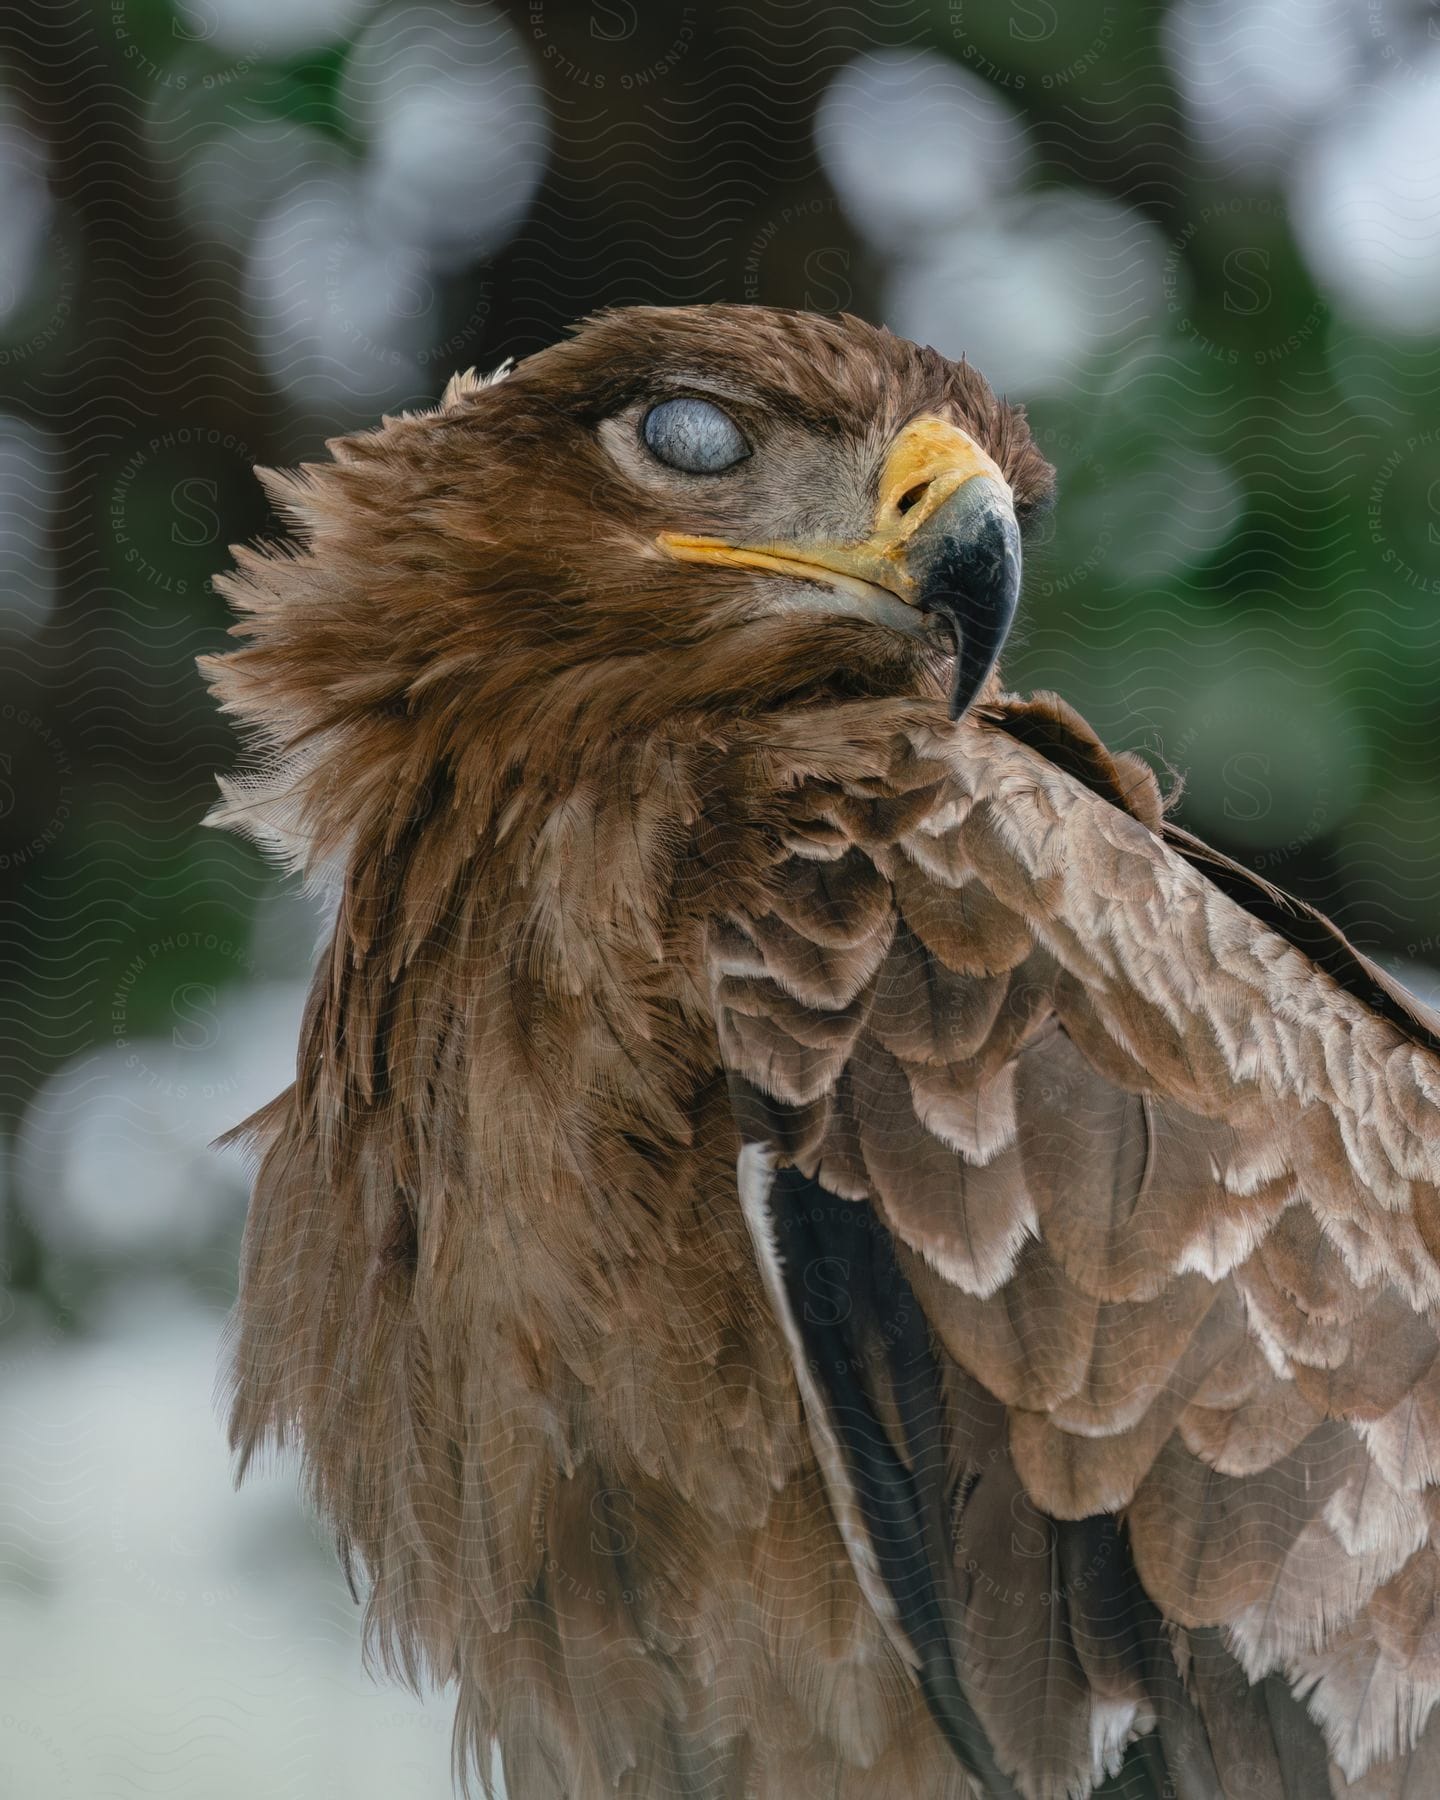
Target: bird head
673, 512
795, 468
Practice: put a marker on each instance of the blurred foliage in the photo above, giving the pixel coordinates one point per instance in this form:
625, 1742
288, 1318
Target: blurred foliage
1240, 577
231, 229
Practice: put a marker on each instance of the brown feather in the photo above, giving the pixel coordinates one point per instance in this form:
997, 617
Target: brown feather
626, 870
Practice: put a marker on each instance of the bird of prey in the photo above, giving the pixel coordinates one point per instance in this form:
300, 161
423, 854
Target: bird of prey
819, 1244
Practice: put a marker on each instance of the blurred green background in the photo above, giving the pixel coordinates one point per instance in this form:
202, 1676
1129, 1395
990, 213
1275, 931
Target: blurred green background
1201, 241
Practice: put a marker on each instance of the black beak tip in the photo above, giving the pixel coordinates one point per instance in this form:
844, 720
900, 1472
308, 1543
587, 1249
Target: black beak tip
959, 699
974, 585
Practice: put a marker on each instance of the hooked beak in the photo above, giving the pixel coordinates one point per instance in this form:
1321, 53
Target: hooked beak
945, 542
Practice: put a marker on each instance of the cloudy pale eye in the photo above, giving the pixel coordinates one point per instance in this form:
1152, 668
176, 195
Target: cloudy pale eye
694, 436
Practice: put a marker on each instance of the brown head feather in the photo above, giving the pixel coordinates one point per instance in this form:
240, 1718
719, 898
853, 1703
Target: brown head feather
478, 587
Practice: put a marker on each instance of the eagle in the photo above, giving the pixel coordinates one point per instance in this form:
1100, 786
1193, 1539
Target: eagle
819, 1244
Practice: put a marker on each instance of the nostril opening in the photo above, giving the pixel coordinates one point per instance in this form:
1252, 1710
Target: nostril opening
911, 496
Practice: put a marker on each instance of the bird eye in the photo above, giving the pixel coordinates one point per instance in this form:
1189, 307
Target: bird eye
694, 436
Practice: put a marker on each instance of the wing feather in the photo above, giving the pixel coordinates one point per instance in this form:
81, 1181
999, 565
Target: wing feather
1157, 1155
